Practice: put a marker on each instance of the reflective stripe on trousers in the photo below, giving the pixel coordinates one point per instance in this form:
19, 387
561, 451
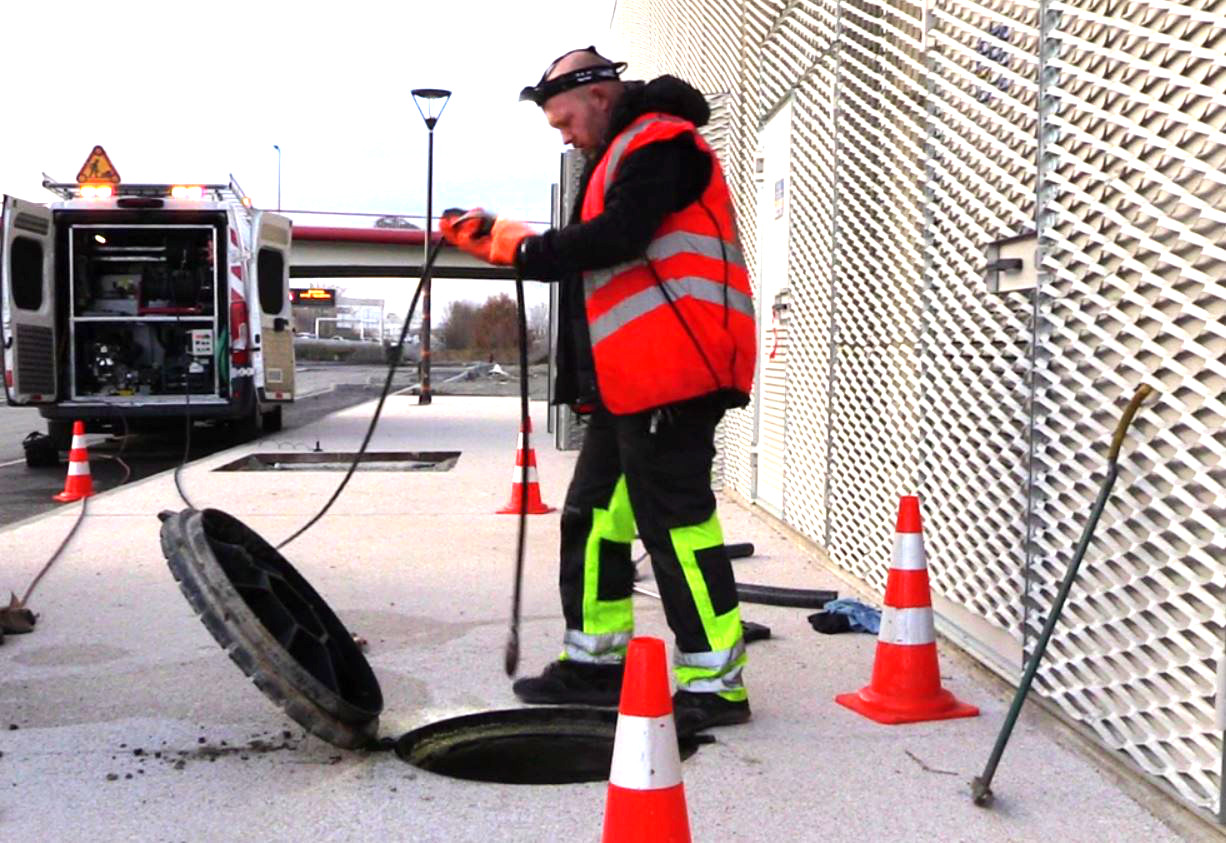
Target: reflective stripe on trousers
607, 624
595, 649
720, 669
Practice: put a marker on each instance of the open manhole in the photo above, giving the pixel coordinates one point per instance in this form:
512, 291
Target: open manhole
520, 746
286, 638
341, 460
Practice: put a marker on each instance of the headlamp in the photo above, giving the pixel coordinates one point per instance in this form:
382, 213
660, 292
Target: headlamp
546, 88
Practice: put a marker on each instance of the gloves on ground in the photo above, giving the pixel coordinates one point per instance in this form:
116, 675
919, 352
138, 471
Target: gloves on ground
483, 235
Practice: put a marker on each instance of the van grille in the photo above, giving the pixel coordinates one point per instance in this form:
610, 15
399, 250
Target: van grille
35, 359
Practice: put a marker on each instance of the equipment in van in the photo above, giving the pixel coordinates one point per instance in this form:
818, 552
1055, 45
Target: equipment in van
150, 303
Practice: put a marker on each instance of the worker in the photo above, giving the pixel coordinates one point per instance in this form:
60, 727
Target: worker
656, 341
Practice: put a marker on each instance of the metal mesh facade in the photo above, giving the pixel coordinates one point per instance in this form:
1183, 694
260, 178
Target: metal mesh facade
1134, 235
920, 132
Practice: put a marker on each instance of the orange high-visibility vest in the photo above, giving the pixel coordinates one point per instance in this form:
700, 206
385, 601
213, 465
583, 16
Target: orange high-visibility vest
677, 323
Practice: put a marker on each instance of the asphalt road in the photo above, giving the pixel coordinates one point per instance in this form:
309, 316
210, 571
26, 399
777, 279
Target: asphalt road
25, 492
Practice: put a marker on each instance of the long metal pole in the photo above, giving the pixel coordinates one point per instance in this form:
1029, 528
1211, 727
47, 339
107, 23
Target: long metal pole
981, 785
424, 396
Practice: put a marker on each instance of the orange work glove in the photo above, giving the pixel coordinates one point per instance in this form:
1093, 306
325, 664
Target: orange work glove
492, 239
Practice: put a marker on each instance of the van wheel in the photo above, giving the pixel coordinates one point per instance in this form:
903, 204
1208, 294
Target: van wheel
272, 420
248, 428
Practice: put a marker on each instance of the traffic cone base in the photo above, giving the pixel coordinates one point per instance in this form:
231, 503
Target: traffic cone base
892, 711
649, 816
536, 506
79, 484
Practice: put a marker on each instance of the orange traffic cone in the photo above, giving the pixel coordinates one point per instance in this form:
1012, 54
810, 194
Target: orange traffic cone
79, 484
646, 799
906, 683
535, 505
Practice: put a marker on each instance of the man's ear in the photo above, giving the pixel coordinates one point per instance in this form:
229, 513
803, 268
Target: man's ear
603, 97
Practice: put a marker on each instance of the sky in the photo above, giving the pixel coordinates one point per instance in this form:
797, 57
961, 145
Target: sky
197, 92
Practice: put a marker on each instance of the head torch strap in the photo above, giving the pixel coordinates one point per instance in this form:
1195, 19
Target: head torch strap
545, 89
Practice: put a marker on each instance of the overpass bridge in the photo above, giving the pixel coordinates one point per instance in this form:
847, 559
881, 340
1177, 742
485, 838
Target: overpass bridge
339, 252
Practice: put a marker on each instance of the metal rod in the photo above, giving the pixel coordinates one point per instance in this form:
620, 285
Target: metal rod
981, 790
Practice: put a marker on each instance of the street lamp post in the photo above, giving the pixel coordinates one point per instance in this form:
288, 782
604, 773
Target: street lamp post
278, 148
432, 97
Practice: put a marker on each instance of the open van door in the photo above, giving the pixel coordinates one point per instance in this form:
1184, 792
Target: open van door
27, 303
272, 244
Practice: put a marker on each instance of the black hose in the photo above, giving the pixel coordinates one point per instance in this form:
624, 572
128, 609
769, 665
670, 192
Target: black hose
387, 387
769, 595
739, 551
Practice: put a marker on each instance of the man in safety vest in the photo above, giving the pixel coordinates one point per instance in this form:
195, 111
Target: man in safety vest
656, 341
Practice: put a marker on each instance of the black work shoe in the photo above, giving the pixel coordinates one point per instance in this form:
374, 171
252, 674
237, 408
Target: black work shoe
696, 712
567, 681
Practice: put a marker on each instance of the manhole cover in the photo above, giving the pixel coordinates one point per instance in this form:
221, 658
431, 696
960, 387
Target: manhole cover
283, 635
341, 460
274, 625
520, 746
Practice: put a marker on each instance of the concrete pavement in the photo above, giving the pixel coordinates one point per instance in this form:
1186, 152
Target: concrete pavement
125, 720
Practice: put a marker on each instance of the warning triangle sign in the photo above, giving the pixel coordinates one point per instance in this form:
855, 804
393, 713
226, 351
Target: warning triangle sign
98, 168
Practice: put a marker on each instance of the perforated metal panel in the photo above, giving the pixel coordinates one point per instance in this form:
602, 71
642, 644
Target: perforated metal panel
918, 133
1133, 214
982, 61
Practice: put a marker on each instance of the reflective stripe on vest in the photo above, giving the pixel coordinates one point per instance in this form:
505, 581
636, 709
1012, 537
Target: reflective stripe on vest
618, 147
668, 246
648, 300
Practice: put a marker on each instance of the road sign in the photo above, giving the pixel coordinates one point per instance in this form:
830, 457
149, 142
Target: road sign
314, 297
98, 168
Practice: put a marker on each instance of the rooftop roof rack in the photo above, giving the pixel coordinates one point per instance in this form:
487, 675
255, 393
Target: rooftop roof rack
221, 192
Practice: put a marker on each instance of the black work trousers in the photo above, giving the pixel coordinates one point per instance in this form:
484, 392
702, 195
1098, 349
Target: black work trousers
651, 471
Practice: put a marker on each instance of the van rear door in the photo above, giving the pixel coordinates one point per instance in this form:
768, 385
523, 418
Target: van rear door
273, 233
27, 303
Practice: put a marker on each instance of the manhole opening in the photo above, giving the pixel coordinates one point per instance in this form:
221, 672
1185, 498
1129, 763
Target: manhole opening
341, 460
520, 746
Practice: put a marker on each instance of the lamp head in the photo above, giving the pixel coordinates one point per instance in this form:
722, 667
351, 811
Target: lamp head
434, 98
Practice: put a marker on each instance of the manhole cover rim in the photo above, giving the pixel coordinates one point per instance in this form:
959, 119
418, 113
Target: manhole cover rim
253, 648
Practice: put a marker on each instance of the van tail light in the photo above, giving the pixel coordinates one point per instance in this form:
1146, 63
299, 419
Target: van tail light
240, 352
8, 378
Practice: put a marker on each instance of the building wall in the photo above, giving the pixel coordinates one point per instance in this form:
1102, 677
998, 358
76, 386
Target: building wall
921, 131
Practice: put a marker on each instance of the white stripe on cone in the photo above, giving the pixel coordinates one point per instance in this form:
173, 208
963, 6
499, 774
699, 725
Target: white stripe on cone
645, 754
906, 626
909, 552
78, 442
76, 469
517, 475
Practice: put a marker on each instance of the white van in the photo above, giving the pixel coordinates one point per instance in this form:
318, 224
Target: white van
132, 306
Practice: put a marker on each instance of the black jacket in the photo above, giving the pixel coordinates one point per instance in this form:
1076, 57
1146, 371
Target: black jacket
652, 182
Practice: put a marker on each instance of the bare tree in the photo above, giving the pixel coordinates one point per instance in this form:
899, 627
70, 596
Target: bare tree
497, 323
459, 325
538, 323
